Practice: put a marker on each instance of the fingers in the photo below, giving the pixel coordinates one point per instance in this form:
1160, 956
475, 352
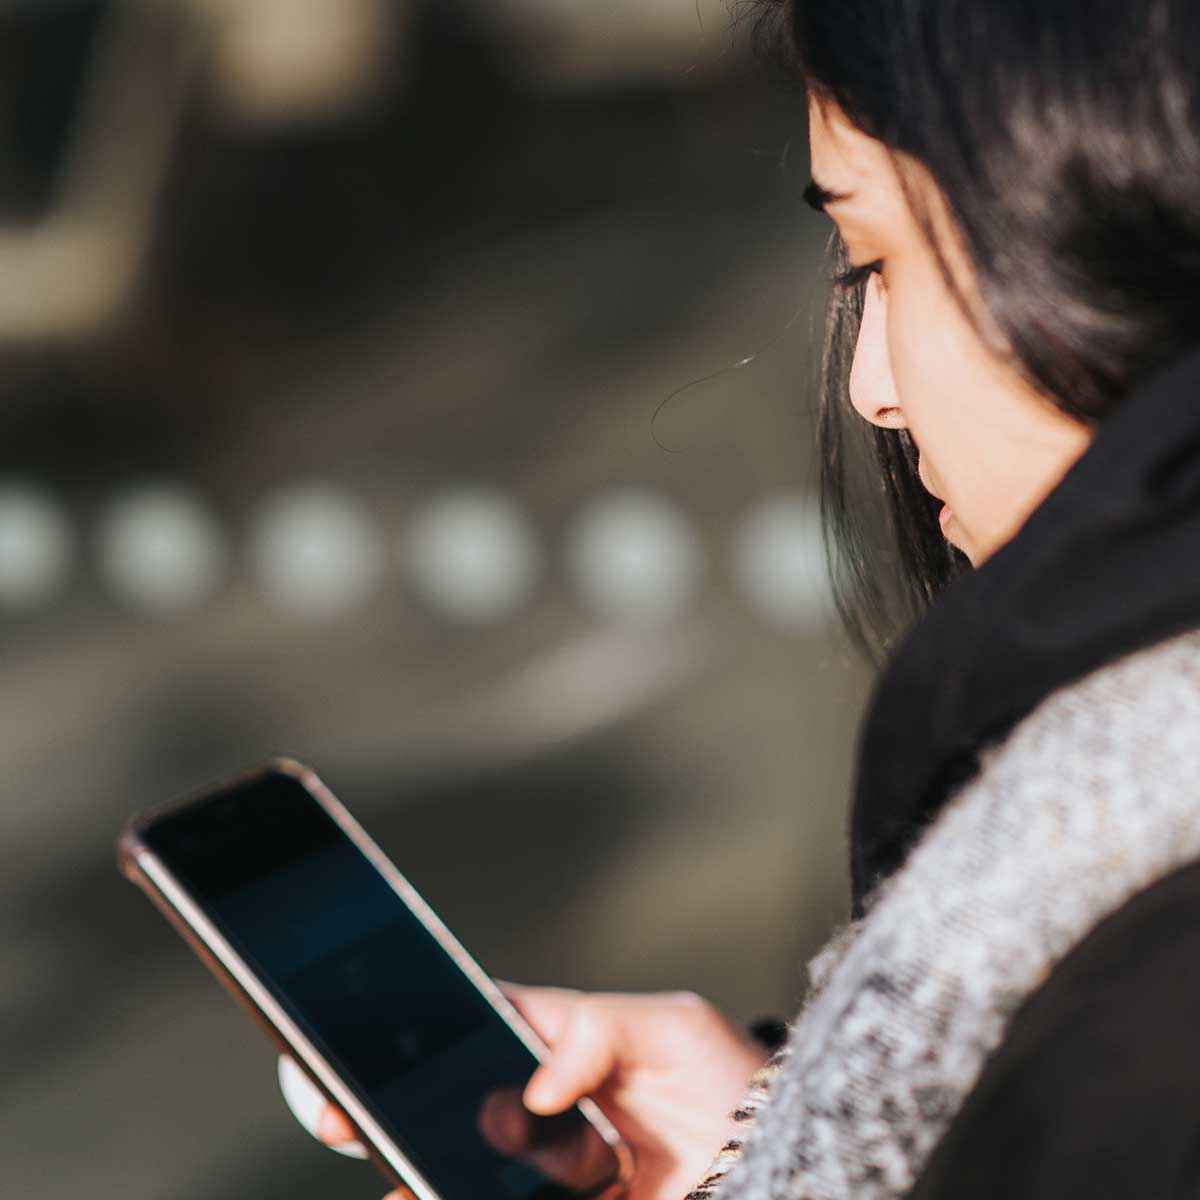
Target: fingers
314, 1113
400, 1194
334, 1129
585, 1054
575, 1157
505, 1123
333, 1126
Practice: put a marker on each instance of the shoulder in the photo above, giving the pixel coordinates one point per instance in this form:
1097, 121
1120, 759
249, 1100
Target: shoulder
1095, 1089
1092, 796
1106, 766
1149, 696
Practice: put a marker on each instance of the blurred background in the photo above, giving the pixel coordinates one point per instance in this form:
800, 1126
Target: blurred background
343, 352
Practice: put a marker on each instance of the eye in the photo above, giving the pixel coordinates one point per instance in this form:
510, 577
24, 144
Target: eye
854, 277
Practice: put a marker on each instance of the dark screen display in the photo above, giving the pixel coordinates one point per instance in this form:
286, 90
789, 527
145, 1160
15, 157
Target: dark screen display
378, 996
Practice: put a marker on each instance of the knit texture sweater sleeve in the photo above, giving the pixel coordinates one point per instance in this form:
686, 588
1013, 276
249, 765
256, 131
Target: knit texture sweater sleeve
820, 971
1090, 800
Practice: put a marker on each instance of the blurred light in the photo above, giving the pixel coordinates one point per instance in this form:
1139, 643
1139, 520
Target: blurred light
779, 563
161, 551
316, 552
299, 60
633, 558
35, 546
581, 42
473, 555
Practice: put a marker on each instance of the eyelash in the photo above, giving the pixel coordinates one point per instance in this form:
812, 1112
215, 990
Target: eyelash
853, 277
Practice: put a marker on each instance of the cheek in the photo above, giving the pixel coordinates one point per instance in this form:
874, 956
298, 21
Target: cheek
936, 387
914, 366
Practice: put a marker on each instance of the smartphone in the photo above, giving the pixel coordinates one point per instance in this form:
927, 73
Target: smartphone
309, 924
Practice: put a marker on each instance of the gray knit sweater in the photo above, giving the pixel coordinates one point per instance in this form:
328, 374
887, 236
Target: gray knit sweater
1090, 798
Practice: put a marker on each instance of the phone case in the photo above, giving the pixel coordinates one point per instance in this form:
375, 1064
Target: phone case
143, 868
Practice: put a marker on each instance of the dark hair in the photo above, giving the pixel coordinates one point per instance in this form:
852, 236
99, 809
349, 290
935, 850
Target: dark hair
1066, 145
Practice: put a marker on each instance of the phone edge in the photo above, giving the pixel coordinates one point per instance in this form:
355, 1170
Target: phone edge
143, 868
138, 863
470, 967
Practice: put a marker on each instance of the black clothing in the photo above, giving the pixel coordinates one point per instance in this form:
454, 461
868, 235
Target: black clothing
1108, 563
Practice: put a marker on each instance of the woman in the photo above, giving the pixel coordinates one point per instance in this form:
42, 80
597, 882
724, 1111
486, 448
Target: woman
1012, 1011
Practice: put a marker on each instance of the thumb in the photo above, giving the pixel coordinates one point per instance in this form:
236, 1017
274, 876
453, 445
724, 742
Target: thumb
584, 1056
545, 1008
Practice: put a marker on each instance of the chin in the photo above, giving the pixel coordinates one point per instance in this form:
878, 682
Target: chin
957, 537
974, 556
954, 537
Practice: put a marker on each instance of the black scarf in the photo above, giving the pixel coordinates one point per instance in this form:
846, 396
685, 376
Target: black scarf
1108, 563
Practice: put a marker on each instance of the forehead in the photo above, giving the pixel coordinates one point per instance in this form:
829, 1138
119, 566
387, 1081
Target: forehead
876, 217
843, 158
848, 162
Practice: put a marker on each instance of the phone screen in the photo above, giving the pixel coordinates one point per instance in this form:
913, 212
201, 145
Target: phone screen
377, 994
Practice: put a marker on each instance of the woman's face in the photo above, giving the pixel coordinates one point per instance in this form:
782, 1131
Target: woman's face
991, 448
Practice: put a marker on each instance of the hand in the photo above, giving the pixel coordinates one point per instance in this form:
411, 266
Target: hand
667, 1069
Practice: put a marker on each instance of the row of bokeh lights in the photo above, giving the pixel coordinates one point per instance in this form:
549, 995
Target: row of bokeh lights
316, 553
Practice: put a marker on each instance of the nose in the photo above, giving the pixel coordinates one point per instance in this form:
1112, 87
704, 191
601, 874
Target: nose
872, 386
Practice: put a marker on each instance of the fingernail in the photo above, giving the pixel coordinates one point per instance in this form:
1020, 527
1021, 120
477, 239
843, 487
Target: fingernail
328, 1132
329, 1128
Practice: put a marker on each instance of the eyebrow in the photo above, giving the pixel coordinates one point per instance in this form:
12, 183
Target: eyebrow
817, 197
